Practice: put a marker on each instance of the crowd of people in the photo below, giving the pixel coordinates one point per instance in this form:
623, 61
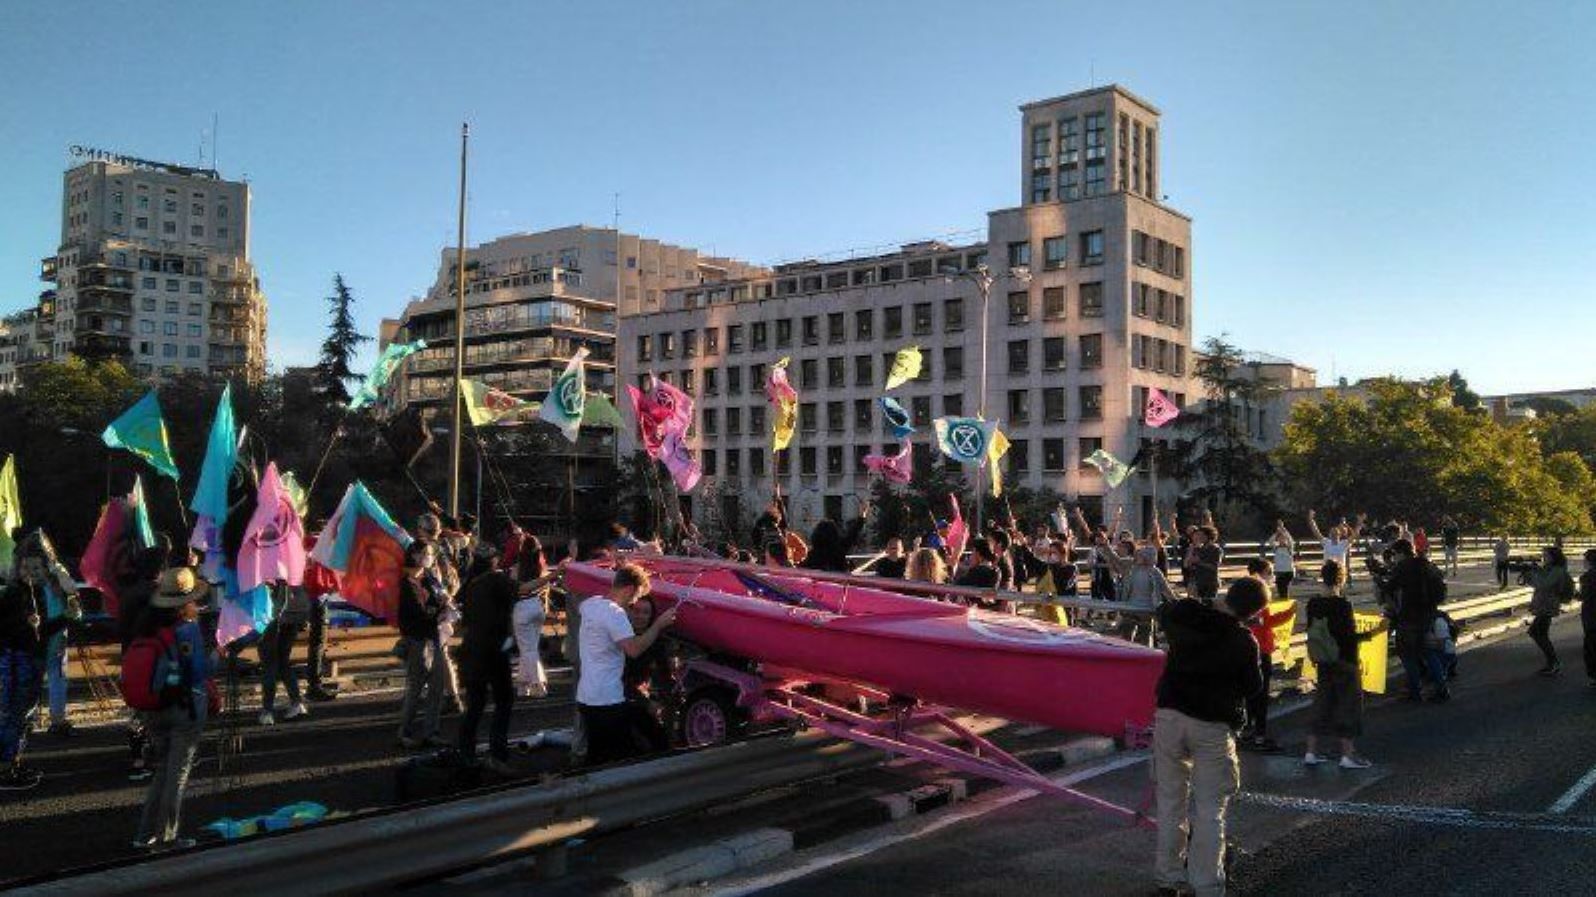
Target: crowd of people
471, 620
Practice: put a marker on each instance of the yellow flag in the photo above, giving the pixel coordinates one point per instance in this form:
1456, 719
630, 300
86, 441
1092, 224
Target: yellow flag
786, 422
996, 448
10, 509
905, 367
1284, 615
485, 405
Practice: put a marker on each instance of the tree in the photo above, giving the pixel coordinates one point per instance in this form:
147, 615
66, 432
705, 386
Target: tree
1216, 459
910, 510
1462, 396
1571, 433
333, 371
1549, 406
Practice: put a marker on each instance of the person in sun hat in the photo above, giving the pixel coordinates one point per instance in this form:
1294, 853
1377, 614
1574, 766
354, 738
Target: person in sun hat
174, 730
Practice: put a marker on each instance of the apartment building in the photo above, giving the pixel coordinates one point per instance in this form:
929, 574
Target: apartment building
17, 346
154, 268
1086, 306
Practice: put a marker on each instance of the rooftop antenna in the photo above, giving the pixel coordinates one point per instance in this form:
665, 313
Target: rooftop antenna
216, 121
1091, 72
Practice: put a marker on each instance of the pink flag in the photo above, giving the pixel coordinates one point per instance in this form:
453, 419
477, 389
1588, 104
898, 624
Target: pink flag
897, 468
681, 462
105, 560
778, 388
274, 541
648, 423
958, 534
674, 406
1160, 410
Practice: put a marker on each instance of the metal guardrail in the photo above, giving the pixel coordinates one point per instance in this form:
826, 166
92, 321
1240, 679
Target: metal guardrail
360, 854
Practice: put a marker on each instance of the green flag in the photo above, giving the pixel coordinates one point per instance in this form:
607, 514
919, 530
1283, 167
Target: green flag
10, 511
567, 399
1114, 470
387, 363
142, 431
599, 411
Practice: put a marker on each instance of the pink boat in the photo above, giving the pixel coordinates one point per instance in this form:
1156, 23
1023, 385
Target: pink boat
854, 630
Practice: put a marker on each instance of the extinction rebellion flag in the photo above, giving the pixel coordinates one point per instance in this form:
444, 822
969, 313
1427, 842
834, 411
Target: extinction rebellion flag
964, 439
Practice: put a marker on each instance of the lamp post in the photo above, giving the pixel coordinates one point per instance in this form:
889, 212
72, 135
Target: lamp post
983, 279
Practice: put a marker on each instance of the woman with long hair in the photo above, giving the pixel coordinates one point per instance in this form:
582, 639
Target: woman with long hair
926, 565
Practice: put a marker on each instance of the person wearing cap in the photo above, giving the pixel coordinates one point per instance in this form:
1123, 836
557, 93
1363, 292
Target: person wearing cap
174, 730
26, 627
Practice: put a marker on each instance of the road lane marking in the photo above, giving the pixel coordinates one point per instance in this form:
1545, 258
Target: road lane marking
1572, 795
967, 811
1442, 816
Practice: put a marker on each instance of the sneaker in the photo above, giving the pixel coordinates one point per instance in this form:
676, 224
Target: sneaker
295, 710
62, 728
266, 718
20, 778
1311, 759
1352, 762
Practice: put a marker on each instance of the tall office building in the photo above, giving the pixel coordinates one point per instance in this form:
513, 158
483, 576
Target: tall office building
154, 268
1088, 306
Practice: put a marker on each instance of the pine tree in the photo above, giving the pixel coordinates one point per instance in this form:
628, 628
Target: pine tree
333, 373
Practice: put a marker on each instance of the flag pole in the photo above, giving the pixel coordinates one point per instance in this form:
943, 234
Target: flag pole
459, 331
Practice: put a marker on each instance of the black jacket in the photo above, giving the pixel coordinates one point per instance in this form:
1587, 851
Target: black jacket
832, 555
418, 611
18, 602
1420, 589
1337, 614
487, 604
1212, 664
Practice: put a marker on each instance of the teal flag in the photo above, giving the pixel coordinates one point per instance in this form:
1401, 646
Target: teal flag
142, 431
221, 453
1114, 470
142, 530
382, 372
964, 439
568, 397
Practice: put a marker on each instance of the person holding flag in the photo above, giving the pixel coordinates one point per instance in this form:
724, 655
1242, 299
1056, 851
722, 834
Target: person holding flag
25, 629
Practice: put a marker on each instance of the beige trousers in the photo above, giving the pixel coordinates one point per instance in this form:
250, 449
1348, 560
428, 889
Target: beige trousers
1195, 773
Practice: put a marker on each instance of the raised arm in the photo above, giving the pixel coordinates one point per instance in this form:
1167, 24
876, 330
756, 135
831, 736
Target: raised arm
1119, 522
1357, 527
1313, 525
1080, 520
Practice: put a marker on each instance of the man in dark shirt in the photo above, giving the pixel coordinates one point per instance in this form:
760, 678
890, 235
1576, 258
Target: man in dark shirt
487, 607
1206, 558
1419, 588
894, 563
1210, 671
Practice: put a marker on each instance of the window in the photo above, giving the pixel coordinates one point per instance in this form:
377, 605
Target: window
1088, 445
116, 218
734, 422
808, 373
1053, 353
1180, 360
171, 306
196, 230
221, 233
667, 345
806, 461
689, 344
1091, 402
864, 324
1053, 303
1091, 353
1053, 404
863, 414
734, 339
221, 211
1092, 247
689, 383
925, 368
711, 340
783, 464
711, 381
759, 336
734, 381
172, 286
169, 227
1092, 300
953, 362
711, 422
147, 303
645, 347
1041, 187
1177, 314
920, 411
1019, 406
836, 373
1139, 253
1019, 308
1020, 255
1069, 141
953, 404
922, 318
862, 373
1017, 461
1095, 178
953, 316
169, 350
141, 223
733, 457
194, 330
1055, 252
1019, 356
892, 321
1096, 136
1178, 266
706, 460
859, 452
784, 333
756, 462
834, 468
147, 283
836, 417
836, 328
169, 206
147, 327
806, 417
756, 423
1052, 455
1041, 145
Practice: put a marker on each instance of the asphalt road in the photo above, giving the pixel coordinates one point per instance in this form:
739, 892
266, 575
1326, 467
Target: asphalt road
1478, 796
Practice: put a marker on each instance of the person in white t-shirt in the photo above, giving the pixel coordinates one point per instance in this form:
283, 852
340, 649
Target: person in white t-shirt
606, 639
1338, 544
1283, 551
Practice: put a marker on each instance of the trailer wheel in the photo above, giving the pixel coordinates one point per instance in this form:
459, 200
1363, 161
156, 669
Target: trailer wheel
709, 717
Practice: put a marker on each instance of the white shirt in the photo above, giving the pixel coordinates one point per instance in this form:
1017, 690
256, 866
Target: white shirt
1284, 562
604, 624
1336, 550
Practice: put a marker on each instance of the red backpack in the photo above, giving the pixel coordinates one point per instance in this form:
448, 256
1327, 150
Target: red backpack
145, 666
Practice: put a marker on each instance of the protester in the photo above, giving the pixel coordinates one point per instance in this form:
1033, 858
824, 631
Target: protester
927, 565
895, 562
1283, 553
1143, 590
606, 641
1420, 590
830, 543
1587, 614
421, 601
1204, 560
621, 538
528, 616
25, 629
1001, 543
645, 676
982, 573
1338, 544
1210, 670
487, 607
1451, 538
776, 554
1333, 647
174, 730
135, 592
1552, 587
320, 585
290, 608
1501, 550
1421, 543
1255, 737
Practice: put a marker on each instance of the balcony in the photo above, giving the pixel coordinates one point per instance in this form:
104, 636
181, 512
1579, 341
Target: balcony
48, 269
104, 302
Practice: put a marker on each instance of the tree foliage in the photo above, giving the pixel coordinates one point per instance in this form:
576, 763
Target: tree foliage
1462, 396
1215, 456
910, 510
334, 372
1410, 451
1574, 432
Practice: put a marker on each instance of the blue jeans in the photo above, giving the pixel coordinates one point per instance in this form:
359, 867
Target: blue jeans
19, 699
55, 673
1419, 660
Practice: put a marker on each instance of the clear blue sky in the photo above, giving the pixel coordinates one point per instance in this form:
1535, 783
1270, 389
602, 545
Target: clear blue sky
1377, 187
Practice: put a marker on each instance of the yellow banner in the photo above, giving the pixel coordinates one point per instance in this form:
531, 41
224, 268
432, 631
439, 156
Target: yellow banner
786, 421
1373, 654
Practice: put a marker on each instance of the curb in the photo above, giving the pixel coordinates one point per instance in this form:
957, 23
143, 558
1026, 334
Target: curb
699, 865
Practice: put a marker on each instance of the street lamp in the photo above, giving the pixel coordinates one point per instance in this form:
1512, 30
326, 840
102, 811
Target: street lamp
983, 278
